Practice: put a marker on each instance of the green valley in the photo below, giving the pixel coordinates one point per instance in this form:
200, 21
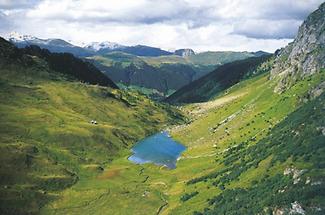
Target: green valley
252, 129
48, 142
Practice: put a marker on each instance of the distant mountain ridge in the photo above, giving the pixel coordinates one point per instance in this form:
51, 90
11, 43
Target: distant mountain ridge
98, 48
141, 50
53, 45
60, 46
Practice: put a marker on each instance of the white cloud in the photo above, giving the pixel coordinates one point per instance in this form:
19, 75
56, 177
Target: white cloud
271, 29
169, 24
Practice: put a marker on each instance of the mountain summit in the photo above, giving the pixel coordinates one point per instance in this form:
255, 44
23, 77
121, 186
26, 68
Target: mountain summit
97, 46
52, 44
22, 40
16, 37
184, 52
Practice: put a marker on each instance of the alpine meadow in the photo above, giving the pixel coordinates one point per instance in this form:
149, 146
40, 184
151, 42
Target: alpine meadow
221, 112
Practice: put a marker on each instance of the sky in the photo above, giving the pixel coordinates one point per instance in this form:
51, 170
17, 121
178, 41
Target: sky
215, 25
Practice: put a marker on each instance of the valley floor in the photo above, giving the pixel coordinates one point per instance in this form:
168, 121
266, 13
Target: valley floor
243, 117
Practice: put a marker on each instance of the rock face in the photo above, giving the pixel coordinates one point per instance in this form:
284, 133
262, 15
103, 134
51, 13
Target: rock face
296, 173
296, 208
184, 52
305, 55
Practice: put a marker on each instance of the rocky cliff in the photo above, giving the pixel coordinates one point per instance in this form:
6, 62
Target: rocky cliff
184, 52
305, 55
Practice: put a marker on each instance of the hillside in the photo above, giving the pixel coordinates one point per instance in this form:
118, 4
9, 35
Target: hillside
143, 67
219, 57
220, 79
64, 63
250, 143
250, 150
253, 130
139, 50
48, 142
261, 151
164, 73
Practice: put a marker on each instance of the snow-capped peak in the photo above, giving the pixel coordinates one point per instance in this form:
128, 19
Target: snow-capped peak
96, 46
28, 39
16, 37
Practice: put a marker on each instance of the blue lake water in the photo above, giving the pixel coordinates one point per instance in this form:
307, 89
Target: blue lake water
159, 149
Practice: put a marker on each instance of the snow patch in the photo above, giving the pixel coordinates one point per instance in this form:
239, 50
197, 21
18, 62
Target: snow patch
96, 46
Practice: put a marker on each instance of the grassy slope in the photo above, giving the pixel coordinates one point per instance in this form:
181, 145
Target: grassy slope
297, 142
170, 59
252, 108
116, 57
56, 159
253, 111
218, 58
47, 140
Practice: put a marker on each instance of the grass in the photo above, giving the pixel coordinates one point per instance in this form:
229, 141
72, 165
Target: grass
218, 58
48, 143
128, 193
57, 162
255, 113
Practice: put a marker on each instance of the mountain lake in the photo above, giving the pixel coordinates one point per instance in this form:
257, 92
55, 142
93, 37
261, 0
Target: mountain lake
159, 149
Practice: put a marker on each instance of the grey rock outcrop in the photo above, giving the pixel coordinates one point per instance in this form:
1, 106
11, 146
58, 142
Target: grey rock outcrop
305, 55
184, 52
